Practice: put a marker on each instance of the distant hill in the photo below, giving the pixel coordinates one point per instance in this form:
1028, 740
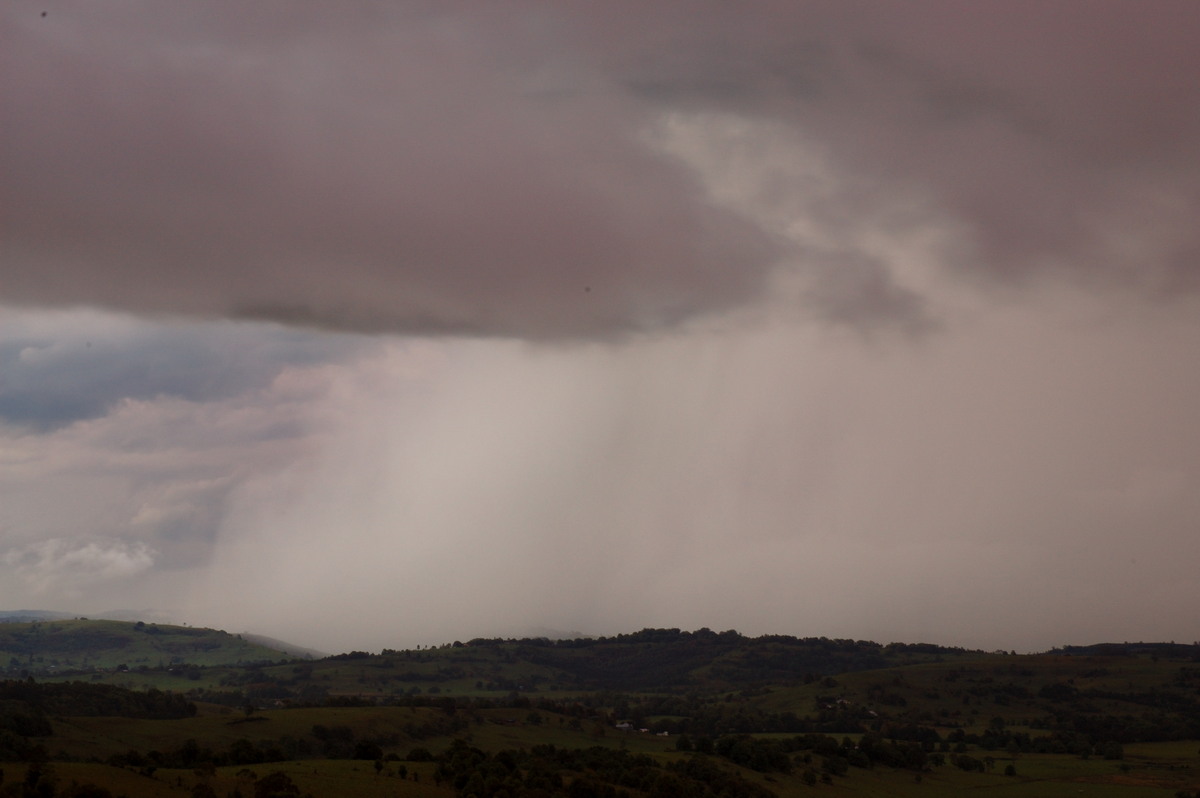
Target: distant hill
673, 660
78, 644
287, 648
133, 616
27, 616
1172, 650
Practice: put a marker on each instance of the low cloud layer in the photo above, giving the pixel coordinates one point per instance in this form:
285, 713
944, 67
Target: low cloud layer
428, 169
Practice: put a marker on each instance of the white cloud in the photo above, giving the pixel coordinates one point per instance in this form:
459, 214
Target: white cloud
70, 566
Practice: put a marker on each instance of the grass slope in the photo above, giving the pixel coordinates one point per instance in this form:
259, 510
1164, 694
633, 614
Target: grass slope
81, 645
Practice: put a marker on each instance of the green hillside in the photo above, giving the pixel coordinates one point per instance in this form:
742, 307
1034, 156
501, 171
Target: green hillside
43, 648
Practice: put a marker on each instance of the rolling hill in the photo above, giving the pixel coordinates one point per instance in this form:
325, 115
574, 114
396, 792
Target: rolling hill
80, 645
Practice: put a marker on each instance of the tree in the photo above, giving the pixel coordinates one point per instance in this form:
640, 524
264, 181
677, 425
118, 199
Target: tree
275, 785
38, 777
667, 785
419, 755
365, 749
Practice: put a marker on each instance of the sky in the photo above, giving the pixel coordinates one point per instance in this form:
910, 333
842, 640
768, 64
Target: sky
383, 324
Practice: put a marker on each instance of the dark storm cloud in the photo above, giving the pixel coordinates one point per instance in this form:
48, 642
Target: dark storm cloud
484, 169
57, 374
379, 174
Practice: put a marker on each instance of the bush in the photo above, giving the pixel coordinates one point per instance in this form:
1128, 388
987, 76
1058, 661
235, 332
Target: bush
419, 755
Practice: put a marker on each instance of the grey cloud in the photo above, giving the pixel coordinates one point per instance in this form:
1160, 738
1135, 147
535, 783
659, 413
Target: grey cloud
528, 171
1045, 133
481, 171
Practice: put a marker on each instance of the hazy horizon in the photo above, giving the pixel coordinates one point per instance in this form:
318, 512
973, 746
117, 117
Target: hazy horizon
369, 325
533, 633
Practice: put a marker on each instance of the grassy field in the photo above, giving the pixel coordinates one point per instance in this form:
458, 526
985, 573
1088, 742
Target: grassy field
1156, 774
1148, 769
319, 778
